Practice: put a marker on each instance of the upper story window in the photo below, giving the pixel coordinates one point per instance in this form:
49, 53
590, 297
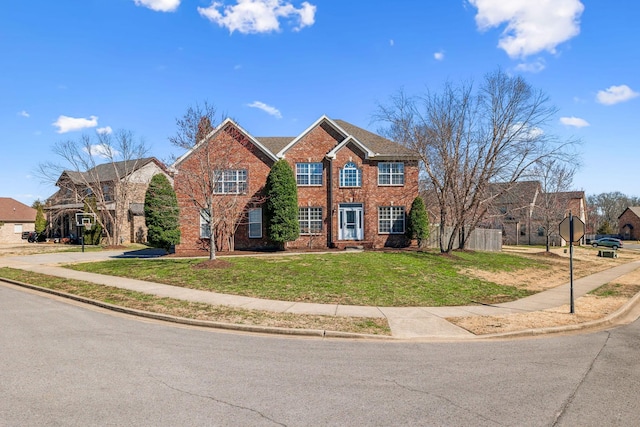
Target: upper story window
309, 173
106, 191
391, 173
350, 176
231, 181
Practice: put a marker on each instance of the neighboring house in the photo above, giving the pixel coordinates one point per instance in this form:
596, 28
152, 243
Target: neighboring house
15, 218
629, 222
523, 212
354, 187
118, 187
512, 211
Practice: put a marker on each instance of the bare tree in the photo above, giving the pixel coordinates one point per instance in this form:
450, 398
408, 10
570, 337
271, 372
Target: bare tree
555, 179
203, 179
96, 166
469, 139
607, 207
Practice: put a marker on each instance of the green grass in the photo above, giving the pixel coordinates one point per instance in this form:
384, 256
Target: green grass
367, 278
201, 311
616, 290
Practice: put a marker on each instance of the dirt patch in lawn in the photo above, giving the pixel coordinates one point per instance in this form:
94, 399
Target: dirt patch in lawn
587, 308
212, 264
586, 262
596, 305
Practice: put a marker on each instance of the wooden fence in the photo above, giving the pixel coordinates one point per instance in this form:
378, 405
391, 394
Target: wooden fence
481, 239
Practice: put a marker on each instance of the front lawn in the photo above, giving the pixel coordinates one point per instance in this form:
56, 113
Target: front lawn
367, 278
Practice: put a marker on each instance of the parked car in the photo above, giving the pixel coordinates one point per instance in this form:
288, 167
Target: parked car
608, 242
30, 236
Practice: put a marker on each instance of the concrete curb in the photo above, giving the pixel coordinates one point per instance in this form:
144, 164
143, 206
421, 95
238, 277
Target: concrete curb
613, 319
610, 320
201, 323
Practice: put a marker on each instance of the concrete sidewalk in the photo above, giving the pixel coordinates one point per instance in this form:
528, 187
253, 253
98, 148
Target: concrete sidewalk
405, 322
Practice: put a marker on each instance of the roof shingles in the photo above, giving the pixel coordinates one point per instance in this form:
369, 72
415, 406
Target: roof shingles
12, 210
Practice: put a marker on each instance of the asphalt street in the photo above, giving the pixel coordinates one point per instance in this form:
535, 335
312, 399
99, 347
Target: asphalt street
62, 363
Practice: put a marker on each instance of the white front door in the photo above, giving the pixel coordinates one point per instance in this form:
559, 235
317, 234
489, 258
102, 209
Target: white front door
350, 221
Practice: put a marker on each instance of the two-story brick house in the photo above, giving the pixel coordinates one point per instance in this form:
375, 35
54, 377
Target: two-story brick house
354, 187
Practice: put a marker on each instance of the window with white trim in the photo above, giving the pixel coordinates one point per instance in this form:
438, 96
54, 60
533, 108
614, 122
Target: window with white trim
230, 181
391, 220
255, 223
350, 176
391, 173
309, 173
205, 219
310, 220
17, 228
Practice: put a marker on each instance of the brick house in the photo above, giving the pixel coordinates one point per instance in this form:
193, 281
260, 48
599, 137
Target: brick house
354, 187
15, 218
520, 212
629, 222
118, 187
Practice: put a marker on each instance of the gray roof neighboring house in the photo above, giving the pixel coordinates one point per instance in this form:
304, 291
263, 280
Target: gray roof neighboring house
108, 172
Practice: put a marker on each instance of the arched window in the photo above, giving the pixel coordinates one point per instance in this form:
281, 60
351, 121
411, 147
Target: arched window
350, 176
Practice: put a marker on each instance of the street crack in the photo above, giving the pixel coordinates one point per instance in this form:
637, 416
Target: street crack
445, 399
233, 405
572, 396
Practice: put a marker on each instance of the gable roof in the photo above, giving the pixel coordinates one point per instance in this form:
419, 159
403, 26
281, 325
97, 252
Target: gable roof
518, 192
372, 144
634, 209
380, 146
109, 171
12, 210
275, 143
217, 130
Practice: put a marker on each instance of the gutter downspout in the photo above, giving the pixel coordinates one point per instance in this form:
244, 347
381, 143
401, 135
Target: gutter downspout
330, 203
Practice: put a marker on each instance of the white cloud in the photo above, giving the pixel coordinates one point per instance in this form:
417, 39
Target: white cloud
69, 124
616, 94
574, 121
24, 114
102, 150
266, 108
532, 67
438, 56
258, 16
391, 42
159, 5
531, 26
105, 130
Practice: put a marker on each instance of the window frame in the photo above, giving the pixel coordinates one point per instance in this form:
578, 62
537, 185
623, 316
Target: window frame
204, 213
352, 168
312, 178
395, 172
227, 179
391, 220
254, 222
310, 221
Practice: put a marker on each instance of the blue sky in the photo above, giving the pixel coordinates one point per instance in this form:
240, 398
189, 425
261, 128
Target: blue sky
275, 66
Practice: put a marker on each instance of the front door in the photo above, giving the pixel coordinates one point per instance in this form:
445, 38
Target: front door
350, 221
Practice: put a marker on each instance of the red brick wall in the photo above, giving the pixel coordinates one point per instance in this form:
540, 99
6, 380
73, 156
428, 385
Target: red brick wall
229, 149
628, 217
